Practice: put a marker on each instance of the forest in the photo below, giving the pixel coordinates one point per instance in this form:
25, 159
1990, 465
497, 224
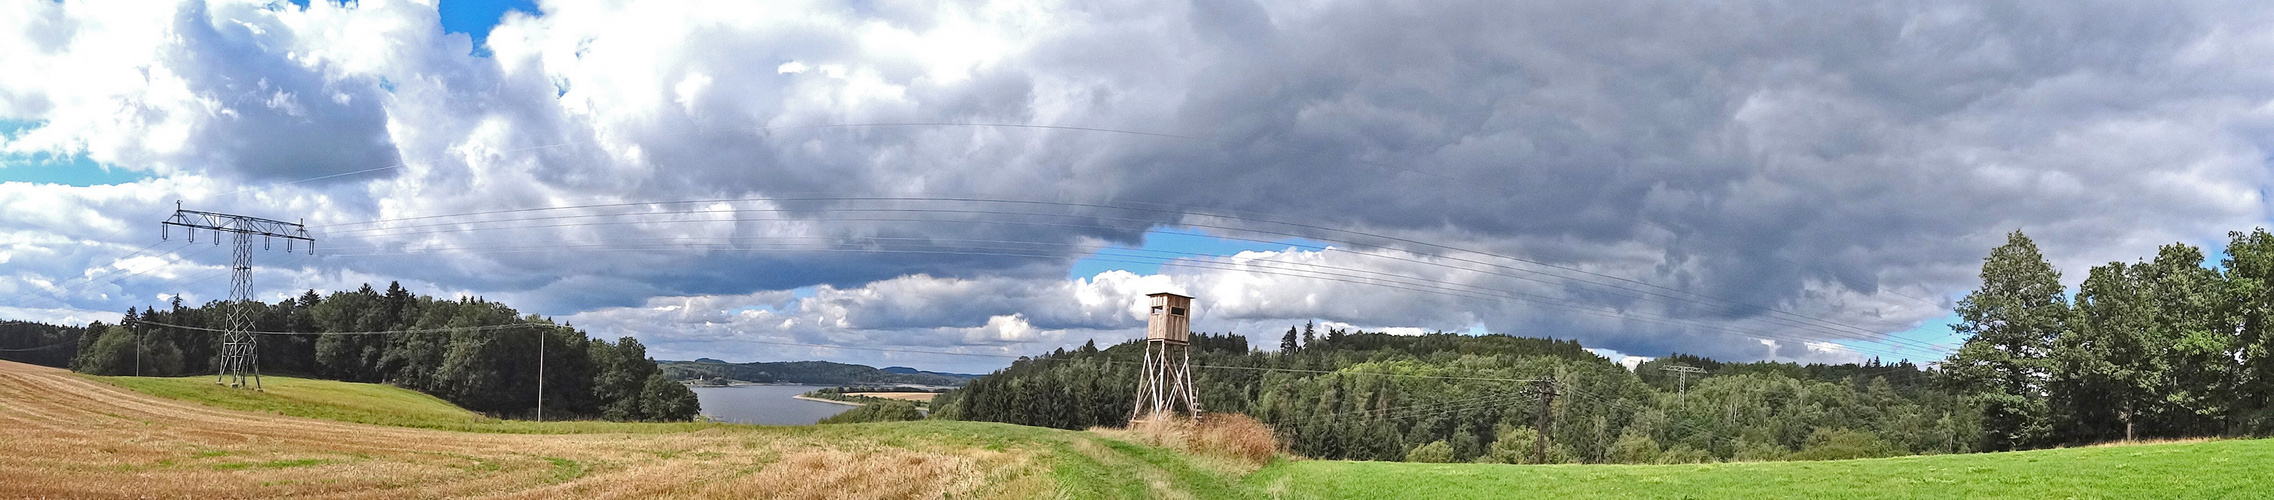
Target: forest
434, 346
39, 343
1452, 397
2165, 347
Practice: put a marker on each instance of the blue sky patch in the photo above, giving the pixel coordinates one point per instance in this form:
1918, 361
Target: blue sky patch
475, 18
1181, 240
48, 168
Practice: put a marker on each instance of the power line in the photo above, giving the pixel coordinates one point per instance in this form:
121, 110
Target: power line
1394, 283
39, 346
469, 329
1775, 320
1778, 315
1409, 411
1303, 225
1773, 315
1367, 277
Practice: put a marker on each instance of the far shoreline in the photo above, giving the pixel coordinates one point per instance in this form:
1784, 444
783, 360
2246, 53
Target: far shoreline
738, 383
830, 401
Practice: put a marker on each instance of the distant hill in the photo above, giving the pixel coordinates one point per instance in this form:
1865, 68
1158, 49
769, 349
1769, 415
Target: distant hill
912, 371
807, 372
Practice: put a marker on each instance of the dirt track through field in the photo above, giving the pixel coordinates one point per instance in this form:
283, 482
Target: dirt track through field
69, 437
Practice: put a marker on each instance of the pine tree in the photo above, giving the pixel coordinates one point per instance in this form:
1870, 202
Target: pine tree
2010, 324
1287, 343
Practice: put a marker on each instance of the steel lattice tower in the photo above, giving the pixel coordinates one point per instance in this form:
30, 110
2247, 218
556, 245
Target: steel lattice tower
240, 349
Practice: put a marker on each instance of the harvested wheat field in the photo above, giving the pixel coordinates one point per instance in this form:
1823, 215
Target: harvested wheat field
75, 436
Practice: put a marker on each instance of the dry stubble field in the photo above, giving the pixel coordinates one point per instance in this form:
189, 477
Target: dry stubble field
67, 436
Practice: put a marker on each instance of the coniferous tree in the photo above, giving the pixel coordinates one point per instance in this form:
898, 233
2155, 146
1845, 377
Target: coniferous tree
2010, 324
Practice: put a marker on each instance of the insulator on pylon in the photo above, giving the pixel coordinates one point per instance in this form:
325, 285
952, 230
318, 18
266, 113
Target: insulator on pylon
265, 241
288, 245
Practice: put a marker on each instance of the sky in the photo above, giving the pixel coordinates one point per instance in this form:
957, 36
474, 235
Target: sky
1743, 180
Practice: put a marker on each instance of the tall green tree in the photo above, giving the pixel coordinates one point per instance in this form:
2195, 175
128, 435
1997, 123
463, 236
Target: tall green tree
2250, 304
2010, 324
2108, 366
2190, 338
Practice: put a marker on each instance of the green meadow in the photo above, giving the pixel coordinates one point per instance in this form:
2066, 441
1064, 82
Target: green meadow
1104, 465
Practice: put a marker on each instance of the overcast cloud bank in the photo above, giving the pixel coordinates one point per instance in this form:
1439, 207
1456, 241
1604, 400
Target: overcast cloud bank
1848, 163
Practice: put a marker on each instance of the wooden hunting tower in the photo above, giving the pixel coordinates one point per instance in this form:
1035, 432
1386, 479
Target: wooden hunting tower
1165, 385
1171, 319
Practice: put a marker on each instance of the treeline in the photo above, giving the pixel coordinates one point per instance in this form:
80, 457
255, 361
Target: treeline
39, 343
1450, 397
2158, 348
445, 352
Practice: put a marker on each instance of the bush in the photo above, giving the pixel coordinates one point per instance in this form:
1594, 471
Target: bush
1234, 436
1436, 452
1750, 451
889, 411
113, 353
1842, 444
1634, 448
1514, 445
1684, 454
1237, 436
665, 400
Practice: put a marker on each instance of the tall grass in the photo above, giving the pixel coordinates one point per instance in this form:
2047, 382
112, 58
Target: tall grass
1235, 438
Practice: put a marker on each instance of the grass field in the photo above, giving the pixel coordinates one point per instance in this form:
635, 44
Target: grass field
2220, 469
70, 436
73, 436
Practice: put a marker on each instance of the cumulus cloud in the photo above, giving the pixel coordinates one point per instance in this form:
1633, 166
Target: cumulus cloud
1845, 164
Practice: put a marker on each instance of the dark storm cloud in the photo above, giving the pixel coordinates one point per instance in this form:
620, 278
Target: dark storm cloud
1848, 162
1756, 148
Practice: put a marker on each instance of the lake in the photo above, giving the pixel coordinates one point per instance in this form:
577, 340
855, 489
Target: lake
765, 404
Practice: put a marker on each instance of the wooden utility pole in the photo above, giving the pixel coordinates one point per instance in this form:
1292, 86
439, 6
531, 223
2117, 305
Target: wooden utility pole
540, 374
1546, 389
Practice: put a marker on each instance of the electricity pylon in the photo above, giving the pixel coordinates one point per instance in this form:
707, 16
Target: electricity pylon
240, 353
1685, 370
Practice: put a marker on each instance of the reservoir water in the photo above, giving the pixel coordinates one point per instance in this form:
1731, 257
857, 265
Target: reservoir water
765, 404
